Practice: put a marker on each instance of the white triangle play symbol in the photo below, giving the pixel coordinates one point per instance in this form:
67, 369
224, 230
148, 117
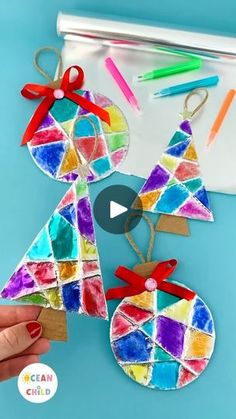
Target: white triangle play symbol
116, 209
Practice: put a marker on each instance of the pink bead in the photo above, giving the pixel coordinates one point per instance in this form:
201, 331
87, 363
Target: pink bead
150, 284
58, 93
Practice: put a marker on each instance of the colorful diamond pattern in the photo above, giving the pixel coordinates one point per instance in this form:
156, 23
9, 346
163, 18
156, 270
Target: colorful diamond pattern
61, 269
59, 157
175, 185
162, 341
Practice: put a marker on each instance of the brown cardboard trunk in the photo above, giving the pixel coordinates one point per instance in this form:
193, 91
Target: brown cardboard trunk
54, 324
173, 224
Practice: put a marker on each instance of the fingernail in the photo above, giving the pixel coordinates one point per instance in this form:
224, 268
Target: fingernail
34, 329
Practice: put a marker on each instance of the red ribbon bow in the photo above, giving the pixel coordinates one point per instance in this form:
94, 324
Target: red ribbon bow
139, 284
35, 91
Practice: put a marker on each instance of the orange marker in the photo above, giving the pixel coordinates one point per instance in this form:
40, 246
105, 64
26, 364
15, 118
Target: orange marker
221, 116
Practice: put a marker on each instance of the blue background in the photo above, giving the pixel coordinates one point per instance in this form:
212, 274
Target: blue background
91, 384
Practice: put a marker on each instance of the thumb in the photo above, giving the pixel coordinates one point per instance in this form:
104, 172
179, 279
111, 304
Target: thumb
15, 339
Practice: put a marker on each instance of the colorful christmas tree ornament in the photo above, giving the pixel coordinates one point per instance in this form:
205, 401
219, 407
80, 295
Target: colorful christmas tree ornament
175, 186
162, 333
77, 137
49, 131
61, 269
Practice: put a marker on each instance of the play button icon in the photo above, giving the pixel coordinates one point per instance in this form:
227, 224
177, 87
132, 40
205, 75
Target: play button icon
116, 209
112, 208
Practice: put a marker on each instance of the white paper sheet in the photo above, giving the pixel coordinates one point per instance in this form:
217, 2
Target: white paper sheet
151, 131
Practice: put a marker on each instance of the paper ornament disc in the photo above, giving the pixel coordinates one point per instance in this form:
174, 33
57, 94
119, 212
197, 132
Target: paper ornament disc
161, 341
53, 150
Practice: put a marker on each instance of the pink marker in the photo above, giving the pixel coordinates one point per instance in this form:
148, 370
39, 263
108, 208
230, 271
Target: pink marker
122, 83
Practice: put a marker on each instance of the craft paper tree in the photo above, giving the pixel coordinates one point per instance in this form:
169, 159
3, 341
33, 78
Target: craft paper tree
175, 186
61, 269
62, 254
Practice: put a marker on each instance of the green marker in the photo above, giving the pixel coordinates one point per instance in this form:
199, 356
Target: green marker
194, 64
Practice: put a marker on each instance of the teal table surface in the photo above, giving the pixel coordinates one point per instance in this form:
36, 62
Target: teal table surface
91, 384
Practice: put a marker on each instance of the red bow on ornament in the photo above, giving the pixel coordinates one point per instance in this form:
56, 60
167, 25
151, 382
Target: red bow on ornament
139, 284
35, 91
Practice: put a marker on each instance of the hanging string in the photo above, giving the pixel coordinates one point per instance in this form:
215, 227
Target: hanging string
83, 169
132, 242
38, 67
191, 113
56, 90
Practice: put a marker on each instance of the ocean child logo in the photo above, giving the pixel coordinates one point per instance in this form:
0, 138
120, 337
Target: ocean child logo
37, 383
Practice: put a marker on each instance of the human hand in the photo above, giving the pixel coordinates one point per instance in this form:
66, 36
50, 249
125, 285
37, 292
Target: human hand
20, 342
